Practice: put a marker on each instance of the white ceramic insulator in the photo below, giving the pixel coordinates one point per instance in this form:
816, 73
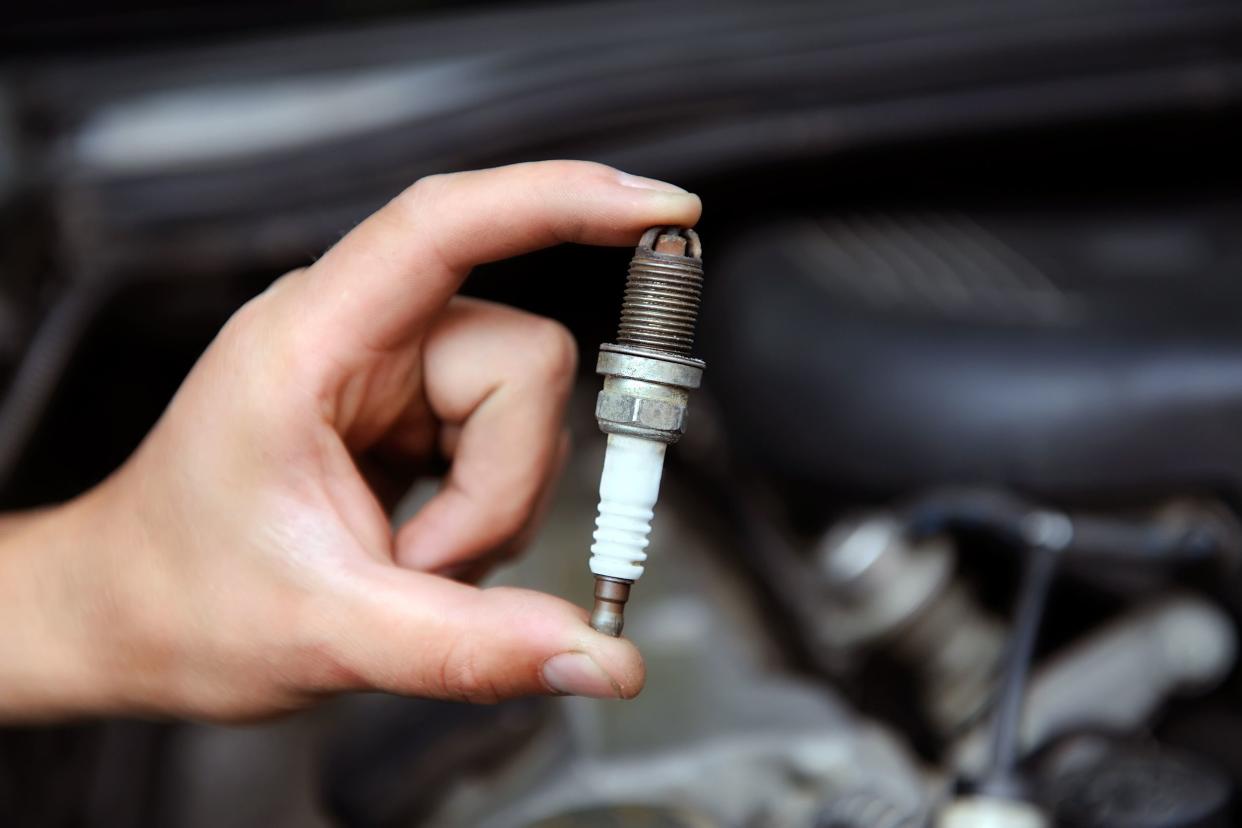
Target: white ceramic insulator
628, 490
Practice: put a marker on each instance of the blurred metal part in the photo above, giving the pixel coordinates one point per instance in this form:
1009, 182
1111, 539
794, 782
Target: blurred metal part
1045, 535
990, 812
864, 809
1096, 781
956, 648
1118, 676
1180, 530
884, 589
876, 579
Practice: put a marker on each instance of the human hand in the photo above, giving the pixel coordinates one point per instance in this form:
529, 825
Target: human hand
241, 563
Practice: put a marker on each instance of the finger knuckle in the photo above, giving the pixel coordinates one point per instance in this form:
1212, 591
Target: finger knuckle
250, 317
415, 198
463, 676
554, 351
513, 512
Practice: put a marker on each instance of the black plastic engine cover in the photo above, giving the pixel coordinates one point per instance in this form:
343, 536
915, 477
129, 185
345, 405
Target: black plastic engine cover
1060, 353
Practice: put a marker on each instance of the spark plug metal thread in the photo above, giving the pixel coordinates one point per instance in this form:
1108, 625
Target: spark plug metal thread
662, 293
642, 408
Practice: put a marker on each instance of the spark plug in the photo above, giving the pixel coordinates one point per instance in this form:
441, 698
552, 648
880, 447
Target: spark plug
648, 376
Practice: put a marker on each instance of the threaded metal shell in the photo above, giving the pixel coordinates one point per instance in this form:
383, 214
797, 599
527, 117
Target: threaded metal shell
661, 304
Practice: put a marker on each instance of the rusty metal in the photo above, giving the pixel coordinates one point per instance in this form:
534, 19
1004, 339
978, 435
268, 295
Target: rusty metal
663, 291
608, 615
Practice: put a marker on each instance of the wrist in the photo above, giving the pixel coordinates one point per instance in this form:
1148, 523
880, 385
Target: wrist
56, 614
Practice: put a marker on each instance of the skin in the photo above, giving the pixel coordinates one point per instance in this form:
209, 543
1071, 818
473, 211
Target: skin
241, 563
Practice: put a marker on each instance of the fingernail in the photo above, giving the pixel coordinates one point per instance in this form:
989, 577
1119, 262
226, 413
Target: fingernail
577, 674
638, 182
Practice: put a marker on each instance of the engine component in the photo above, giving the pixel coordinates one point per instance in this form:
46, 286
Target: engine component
1046, 538
990, 812
1120, 675
648, 376
1091, 783
944, 353
1180, 531
885, 588
865, 809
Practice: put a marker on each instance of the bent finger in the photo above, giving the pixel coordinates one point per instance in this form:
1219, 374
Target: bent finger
502, 377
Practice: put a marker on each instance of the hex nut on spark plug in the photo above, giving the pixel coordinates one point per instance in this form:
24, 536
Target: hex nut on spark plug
645, 394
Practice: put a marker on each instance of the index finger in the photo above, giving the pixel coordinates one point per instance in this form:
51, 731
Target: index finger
400, 266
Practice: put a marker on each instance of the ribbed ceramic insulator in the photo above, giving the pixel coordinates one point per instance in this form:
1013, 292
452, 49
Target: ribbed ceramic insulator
627, 494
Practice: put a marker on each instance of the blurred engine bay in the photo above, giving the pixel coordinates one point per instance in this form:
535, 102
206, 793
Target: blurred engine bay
972, 318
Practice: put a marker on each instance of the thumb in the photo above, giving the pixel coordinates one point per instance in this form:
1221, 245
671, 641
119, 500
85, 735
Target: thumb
421, 635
